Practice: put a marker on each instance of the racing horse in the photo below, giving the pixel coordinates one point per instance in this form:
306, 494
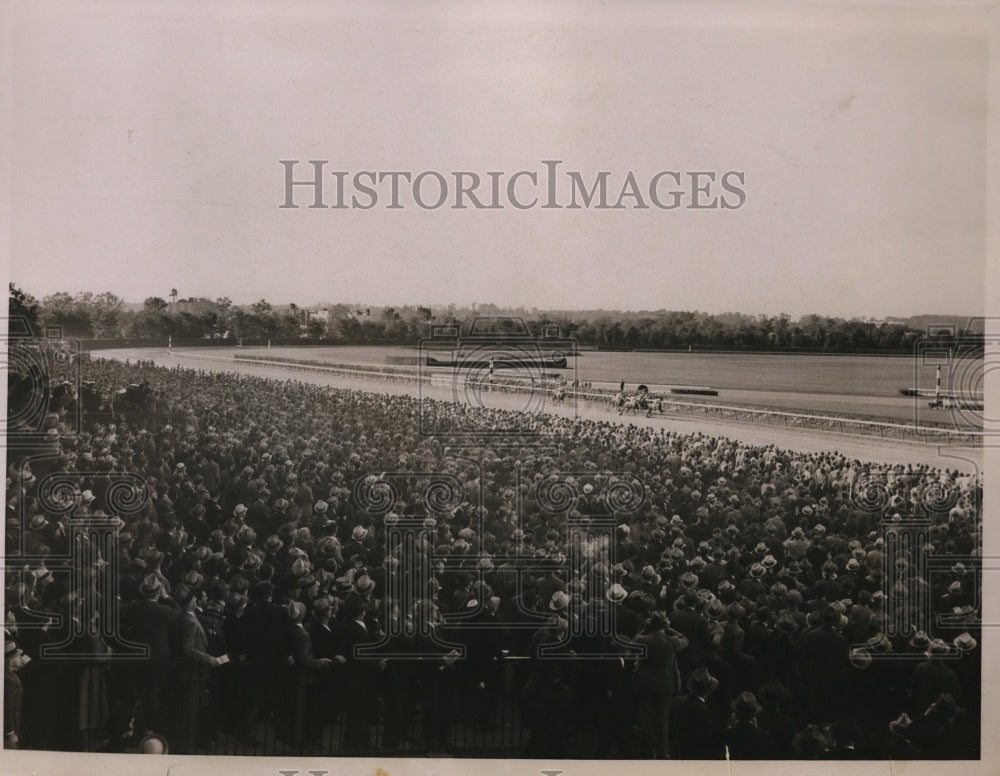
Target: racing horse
632, 404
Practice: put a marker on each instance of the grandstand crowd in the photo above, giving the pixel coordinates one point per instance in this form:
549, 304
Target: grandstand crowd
297, 559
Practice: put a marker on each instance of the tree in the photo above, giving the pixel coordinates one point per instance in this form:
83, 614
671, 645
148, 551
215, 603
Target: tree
315, 328
149, 323
225, 322
70, 313
155, 304
23, 305
106, 315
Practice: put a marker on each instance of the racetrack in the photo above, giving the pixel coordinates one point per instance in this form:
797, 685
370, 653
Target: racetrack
846, 386
756, 432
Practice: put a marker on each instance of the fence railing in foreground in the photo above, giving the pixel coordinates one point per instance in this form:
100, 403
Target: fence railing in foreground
830, 423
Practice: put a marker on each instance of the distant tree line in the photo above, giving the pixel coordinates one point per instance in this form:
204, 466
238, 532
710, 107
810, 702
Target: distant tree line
105, 316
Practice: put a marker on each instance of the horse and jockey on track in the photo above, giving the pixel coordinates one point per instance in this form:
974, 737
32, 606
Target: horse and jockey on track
631, 403
640, 400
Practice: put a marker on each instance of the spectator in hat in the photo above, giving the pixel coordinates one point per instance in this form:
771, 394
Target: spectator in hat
192, 671
956, 595
486, 639
944, 730
848, 741
268, 649
695, 733
306, 667
35, 537
550, 584
752, 586
694, 627
885, 682
968, 671
932, 677
606, 696
546, 708
401, 691
326, 685
829, 588
150, 621
623, 622
733, 639
774, 718
353, 633
650, 581
795, 546
657, 677
13, 692
357, 546
258, 514
813, 742
824, 658
212, 618
744, 738
900, 743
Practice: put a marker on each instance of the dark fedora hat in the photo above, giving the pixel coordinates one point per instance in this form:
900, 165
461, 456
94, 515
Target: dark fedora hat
150, 587
901, 725
830, 616
657, 620
811, 741
745, 705
702, 682
774, 693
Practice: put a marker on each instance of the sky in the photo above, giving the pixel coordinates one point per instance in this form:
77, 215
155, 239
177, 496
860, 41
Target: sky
146, 140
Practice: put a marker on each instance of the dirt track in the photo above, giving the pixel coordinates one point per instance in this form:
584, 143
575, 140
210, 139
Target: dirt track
750, 432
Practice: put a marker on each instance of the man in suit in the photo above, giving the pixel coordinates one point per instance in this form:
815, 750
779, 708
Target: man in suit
320, 631
353, 631
824, 661
625, 623
214, 717
210, 474
193, 668
13, 693
656, 677
268, 647
300, 714
149, 622
744, 738
932, 677
694, 627
695, 733
258, 515
36, 535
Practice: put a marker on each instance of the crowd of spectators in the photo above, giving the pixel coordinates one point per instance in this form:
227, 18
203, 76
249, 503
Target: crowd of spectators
295, 558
